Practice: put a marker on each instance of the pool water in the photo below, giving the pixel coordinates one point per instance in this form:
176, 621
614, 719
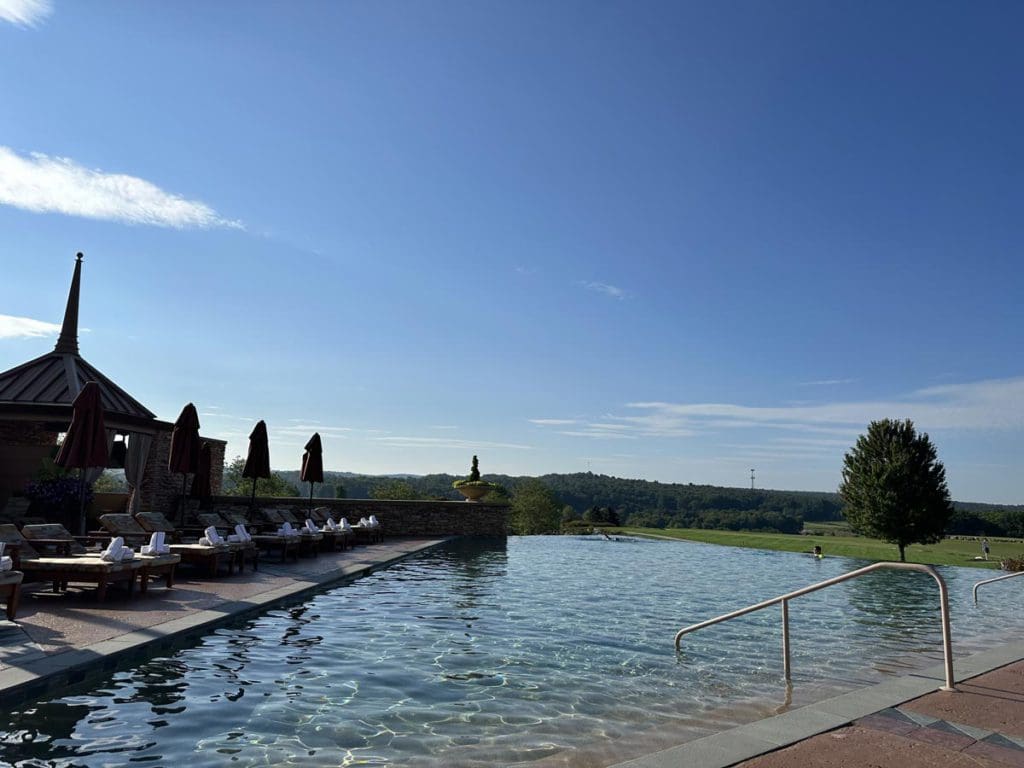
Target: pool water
542, 651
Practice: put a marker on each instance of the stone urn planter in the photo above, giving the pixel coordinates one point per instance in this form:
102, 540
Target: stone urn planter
474, 491
472, 487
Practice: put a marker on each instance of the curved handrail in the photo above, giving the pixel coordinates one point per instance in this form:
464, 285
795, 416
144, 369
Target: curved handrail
997, 578
947, 642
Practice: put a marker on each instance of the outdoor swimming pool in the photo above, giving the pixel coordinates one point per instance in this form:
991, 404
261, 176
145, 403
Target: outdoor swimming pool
542, 651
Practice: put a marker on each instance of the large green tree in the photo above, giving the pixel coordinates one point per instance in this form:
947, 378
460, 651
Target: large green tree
236, 485
535, 509
894, 486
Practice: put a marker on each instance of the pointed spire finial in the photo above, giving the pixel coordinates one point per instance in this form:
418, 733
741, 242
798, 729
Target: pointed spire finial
67, 342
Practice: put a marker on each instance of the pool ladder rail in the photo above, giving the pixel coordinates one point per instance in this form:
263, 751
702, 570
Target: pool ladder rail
997, 578
947, 642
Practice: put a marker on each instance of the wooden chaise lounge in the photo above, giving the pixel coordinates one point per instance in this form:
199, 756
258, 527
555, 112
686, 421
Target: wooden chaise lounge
60, 538
246, 551
10, 590
308, 542
61, 571
342, 539
288, 547
192, 553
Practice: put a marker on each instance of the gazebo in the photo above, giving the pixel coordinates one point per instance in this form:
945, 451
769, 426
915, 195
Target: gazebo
35, 406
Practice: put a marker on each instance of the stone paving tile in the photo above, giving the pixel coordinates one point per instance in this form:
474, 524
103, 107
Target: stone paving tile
1001, 755
943, 737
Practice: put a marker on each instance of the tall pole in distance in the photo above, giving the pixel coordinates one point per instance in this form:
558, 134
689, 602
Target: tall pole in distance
751, 478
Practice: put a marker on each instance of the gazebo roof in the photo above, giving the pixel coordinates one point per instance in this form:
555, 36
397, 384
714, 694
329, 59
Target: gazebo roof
43, 389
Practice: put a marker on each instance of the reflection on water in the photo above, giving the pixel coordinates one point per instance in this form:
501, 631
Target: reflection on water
552, 651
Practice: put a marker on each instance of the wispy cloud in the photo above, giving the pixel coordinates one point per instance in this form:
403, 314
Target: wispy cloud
608, 290
44, 184
25, 13
991, 404
444, 442
826, 382
12, 327
996, 404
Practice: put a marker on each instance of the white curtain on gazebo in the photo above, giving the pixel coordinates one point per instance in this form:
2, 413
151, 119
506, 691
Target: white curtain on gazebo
135, 466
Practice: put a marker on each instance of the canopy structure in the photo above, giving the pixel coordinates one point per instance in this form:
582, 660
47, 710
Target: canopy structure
43, 389
36, 403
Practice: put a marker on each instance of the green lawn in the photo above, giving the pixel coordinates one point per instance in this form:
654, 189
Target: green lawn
947, 552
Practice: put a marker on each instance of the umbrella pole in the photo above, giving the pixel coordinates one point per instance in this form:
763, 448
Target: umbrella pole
252, 499
81, 502
311, 499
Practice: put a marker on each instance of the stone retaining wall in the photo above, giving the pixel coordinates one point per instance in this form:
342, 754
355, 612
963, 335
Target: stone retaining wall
399, 518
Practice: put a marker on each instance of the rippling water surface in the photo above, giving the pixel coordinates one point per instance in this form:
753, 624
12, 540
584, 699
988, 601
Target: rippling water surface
547, 651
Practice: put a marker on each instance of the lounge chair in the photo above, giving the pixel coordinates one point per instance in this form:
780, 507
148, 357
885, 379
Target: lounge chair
309, 542
268, 540
343, 539
61, 571
57, 536
210, 558
10, 583
246, 550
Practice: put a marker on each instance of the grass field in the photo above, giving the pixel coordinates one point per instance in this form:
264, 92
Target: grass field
843, 544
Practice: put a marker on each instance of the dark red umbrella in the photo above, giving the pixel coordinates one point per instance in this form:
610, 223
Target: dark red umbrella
185, 447
85, 444
257, 461
201, 488
313, 465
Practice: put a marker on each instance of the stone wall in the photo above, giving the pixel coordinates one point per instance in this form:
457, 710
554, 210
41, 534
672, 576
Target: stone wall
399, 518
161, 489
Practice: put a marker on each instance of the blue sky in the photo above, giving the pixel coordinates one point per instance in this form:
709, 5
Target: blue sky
674, 241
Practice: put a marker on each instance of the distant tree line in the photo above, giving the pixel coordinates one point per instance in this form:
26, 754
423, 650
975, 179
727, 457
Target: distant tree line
585, 498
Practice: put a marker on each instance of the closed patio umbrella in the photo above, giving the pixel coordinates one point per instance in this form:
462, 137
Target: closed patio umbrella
257, 461
201, 482
185, 447
85, 445
313, 465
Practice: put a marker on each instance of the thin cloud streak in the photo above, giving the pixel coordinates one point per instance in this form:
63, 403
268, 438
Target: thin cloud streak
12, 327
608, 290
43, 184
442, 442
25, 13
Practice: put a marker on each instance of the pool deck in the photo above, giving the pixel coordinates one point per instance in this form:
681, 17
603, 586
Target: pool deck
62, 639
905, 722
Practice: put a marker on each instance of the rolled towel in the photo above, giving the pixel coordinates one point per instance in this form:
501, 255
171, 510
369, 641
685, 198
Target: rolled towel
204, 542
112, 554
344, 525
331, 524
243, 534
153, 547
234, 538
213, 536
288, 530
374, 522
161, 543
127, 553
311, 527
6, 564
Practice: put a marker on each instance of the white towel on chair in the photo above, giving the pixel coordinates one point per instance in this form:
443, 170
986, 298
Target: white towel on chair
373, 521
153, 547
161, 544
243, 534
212, 536
311, 527
6, 564
112, 554
344, 525
127, 553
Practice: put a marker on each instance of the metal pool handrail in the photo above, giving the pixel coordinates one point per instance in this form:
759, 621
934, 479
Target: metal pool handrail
947, 642
997, 578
